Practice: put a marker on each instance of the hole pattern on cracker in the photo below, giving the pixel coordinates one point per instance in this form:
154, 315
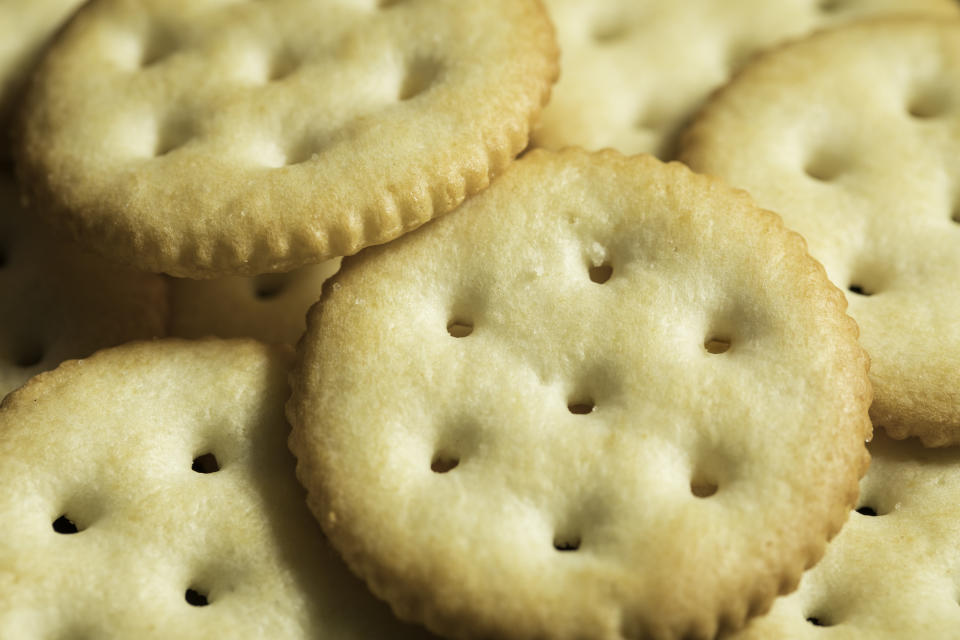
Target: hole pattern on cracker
173, 133
281, 65
443, 463
654, 119
459, 328
703, 488
826, 166
305, 77
870, 274
818, 621
929, 103
873, 505
419, 76
196, 597
156, 47
65, 525
206, 463
831, 6
550, 367
875, 212
304, 150
566, 543
609, 32
717, 345
581, 407
601, 273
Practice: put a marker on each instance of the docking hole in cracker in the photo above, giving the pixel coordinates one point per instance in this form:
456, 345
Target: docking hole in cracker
205, 138
593, 402
148, 492
851, 136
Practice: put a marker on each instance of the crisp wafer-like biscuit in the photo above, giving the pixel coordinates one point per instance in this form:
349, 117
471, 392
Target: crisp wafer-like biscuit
269, 307
605, 398
25, 27
853, 137
894, 570
205, 138
635, 71
60, 302
148, 493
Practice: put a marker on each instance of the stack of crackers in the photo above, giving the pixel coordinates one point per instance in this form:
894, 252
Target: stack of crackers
512, 319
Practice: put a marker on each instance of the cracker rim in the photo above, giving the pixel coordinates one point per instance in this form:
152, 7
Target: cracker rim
329, 507
901, 416
673, 143
380, 216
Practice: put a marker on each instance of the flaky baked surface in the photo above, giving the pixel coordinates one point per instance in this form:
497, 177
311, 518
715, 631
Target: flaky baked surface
636, 71
852, 137
210, 138
605, 398
892, 571
156, 469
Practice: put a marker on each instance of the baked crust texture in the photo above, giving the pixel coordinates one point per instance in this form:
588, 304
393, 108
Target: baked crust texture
148, 492
205, 138
636, 71
891, 573
853, 137
605, 398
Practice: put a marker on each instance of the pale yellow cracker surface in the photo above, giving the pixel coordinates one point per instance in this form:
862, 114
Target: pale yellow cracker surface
60, 302
271, 307
25, 28
894, 570
635, 71
606, 398
854, 137
212, 137
148, 493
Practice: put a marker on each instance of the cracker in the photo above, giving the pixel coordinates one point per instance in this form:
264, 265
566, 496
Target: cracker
892, 571
852, 136
148, 493
635, 71
605, 398
25, 28
237, 138
60, 302
270, 307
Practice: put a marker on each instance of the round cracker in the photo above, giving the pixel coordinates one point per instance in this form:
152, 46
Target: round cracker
852, 136
237, 138
153, 470
518, 422
61, 302
654, 62
271, 307
894, 570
